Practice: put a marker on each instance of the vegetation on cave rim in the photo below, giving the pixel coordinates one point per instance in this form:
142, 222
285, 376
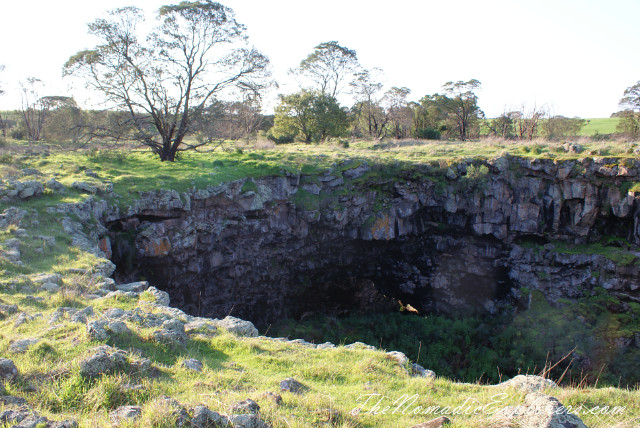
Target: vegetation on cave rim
236, 366
488, 348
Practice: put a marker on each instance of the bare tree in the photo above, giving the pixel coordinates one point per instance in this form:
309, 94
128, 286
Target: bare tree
368, 111
526, 121
163, 80
400, 116
34, 108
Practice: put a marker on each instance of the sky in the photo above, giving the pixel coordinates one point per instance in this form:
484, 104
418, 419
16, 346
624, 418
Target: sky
575, 57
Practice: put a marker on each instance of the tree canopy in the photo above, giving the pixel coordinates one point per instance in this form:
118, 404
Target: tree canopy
328, 67
166, 77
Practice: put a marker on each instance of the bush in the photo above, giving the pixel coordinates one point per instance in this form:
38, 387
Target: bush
281, 139
428, 134
18, 134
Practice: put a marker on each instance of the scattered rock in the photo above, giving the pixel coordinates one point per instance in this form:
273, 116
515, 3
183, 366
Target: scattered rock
45, 278
8, 370
419, 371
292, 385
246, 406
55, 185
238, 327
51, 287
22, 345
85, 187
247, 421
434, 423
192, 364
171, 337
538, 411
276, 398
204, 418
360, 345
117, 327
97, 330
136, 287
104, 359
201, 326
398, 357
10, 400
162, 297
6, 310
125, 414
528, 383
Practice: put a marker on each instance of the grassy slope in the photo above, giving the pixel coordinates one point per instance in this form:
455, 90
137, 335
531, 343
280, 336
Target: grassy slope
606, 125
235, 368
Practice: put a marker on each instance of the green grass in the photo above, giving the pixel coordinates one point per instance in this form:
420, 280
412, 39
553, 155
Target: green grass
337, 380
602, 126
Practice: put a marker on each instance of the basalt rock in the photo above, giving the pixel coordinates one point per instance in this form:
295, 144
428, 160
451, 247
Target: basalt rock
461, 243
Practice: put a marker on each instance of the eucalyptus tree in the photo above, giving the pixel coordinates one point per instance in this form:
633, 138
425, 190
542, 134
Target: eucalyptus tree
197, 51
630, 117
461, 103
328, 67
368, 111
308, 116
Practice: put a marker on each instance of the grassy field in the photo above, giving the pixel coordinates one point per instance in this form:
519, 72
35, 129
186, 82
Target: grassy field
600, 126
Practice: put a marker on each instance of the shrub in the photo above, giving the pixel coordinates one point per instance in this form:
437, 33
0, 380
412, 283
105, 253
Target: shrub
428, 133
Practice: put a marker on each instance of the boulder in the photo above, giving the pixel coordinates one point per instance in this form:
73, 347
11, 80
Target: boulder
398, 357
434, 423
238, 327
247, 421
292, 385
162, 297
8, 370
192, 364
528, 383
22, 345
125, 415
204, 418
419, 371
246, 406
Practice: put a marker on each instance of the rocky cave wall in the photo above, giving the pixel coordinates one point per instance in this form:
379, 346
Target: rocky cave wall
430, 238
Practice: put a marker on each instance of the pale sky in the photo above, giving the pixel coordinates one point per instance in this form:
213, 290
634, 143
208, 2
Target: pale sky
575, 56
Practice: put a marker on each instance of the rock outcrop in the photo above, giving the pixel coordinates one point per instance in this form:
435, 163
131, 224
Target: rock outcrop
460, 239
